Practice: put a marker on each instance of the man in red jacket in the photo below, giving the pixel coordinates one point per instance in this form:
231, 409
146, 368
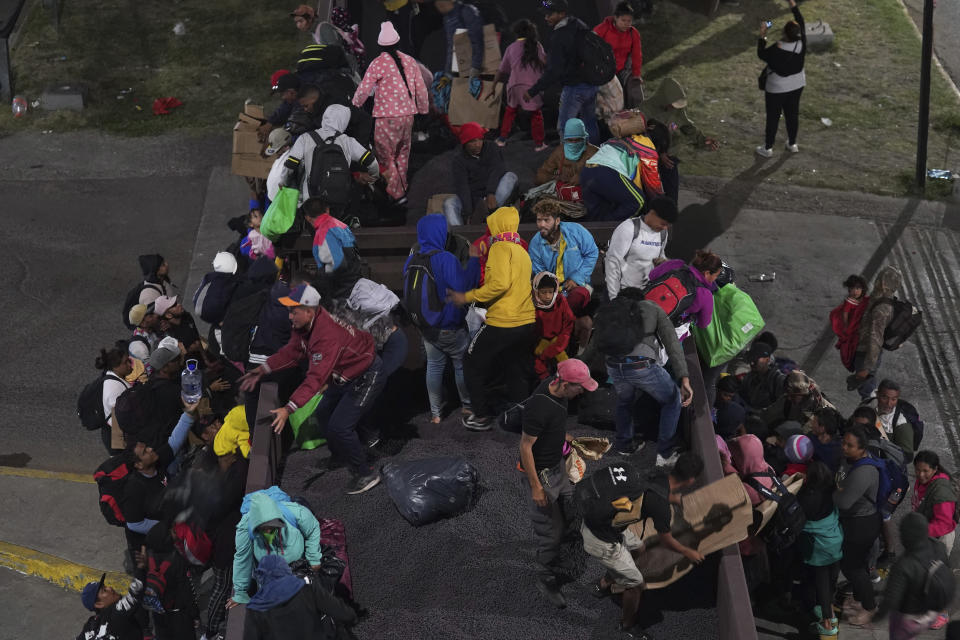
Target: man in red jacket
342, 364
618, 31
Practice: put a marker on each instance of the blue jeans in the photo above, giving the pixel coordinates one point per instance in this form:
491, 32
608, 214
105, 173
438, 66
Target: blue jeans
453, 207
870, 383
451, 344
657, 382
579, 101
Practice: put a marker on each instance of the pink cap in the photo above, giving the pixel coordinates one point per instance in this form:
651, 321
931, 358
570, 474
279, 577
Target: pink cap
388, 35
577, 372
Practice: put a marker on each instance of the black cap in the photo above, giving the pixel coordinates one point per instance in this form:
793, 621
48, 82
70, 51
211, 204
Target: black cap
554, 6
287, 81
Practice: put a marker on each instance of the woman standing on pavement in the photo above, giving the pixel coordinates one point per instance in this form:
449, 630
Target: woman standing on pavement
400, 94
783, 79
934, 497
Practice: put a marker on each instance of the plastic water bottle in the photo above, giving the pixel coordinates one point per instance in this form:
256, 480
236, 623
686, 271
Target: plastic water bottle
19, 106
191, 383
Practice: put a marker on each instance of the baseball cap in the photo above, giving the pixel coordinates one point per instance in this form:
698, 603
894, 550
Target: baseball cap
550, 6
138, 312
90, 592
277, 139
577, 372
163, 304
302, 296
166, 352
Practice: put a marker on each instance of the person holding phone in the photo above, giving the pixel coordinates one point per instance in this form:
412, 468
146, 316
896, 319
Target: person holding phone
783, 80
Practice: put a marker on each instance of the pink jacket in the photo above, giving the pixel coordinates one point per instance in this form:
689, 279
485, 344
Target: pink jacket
392, 98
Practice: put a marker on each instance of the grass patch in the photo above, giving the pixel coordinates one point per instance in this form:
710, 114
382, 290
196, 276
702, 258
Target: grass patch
226, 55
867, 85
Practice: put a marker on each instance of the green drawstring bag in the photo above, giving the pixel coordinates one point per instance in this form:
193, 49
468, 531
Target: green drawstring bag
306, 427
280, 214
736, 321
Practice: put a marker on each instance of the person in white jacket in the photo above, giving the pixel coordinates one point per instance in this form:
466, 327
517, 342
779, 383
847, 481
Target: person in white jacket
637, 245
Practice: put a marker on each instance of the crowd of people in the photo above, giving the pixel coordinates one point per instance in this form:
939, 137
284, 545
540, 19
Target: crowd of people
526, 323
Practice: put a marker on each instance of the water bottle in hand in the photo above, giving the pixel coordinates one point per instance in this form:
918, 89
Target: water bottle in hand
191, 383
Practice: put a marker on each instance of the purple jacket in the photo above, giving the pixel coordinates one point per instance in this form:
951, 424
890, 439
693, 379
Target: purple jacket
702, 307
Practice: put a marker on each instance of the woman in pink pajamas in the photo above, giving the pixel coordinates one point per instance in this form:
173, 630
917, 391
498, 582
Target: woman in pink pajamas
399, 94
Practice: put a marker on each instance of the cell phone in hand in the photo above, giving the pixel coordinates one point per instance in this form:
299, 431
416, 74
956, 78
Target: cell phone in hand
768, 23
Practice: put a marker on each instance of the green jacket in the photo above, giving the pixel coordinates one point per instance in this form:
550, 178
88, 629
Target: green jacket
820, 541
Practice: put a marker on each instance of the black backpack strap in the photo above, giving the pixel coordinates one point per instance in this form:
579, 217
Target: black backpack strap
765, 492
315, 137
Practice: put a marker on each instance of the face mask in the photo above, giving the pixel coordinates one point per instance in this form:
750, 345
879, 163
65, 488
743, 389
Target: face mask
269, 537
573, 150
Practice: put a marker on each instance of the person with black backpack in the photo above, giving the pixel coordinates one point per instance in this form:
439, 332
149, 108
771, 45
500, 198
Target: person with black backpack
427, 275
873, 330
114, 365
920, 584
578, 59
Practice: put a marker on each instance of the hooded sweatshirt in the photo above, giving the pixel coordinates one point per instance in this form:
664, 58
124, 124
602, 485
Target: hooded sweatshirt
447, 272
554, 324
335, 121
156, 286
935, 501
908, 576
276, 584
625, 44
294, 540
746, 453
877, 316
506, 286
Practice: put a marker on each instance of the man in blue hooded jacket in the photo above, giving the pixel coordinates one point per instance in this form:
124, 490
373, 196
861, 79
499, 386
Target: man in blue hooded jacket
444, 331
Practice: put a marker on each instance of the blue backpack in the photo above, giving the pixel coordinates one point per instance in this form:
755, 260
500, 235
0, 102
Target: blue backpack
893, 483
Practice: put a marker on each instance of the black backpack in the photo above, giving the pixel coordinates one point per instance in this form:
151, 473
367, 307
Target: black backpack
134, 408
597, 63
239, 326
618, 326
90, 404
904, 321
420, 296
598, 409
910, 412
939, 586
111, 476
788, 520
674, 292
330, 177
133, 299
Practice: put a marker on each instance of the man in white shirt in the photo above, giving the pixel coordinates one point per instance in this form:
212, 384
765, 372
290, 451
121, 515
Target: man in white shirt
637, 245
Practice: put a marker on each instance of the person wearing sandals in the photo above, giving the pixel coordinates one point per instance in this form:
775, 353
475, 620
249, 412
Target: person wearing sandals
935, 498
521, 67
784, 80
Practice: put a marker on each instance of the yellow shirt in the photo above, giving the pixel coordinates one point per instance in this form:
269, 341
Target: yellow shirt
393, 5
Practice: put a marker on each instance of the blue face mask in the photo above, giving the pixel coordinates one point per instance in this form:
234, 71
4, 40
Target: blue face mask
573, 150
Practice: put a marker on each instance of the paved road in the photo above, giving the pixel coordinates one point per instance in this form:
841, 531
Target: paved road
946, 42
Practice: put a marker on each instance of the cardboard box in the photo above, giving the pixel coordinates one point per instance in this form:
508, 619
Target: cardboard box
254, 110
465, 108
245, 140
463, 51
247, 159
250, 165
435, 202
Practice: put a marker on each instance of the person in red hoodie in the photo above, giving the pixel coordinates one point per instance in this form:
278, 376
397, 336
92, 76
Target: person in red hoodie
618, 31
845, 319
555, 322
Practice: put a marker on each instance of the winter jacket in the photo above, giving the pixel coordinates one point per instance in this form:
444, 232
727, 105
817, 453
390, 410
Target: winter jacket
213, 296
635, 158
330, 349
234, 435
296, 539
625, 44
701, 311
845, 321
828, 453
895, 427
335, 121
557, 167
520, 76
475, 177
908, 576
579, 252
120, 621
746, 456
658, 333
785, 60
935, 501
554, 328
821, 540
506, 285
563, 59
447, 272
760, 389
464, 16
483, 244
877, 316
629, 259
330, 240
368, 308
301, 617
393, 97
273, 326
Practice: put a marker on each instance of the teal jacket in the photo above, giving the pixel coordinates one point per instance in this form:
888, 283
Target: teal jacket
299, 537
820, 541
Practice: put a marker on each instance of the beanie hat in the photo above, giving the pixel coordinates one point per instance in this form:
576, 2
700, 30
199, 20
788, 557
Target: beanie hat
225, 262
388, 35
470, 131
799, 449
729, 418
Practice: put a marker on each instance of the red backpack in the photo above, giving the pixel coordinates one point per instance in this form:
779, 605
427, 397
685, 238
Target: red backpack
674, 292
110, 477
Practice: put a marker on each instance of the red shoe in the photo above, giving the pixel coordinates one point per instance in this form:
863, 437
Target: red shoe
940, 622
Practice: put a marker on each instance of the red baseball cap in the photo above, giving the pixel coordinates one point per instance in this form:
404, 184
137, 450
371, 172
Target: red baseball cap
470, 131
576, 372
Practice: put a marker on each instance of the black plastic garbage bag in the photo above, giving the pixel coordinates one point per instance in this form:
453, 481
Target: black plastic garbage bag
427, 490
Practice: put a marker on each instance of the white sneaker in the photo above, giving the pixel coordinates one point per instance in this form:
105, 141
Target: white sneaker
667, 462
792, 148
764, 152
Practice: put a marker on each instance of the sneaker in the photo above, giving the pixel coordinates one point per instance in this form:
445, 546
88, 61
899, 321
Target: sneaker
633, 450
940, 622
668, 462
360, 483
475, 423
501, 142
792, 148
540, 147
551, 591
763, 152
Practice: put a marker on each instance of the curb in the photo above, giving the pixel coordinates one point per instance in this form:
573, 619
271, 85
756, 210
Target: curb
63, 573
41, 474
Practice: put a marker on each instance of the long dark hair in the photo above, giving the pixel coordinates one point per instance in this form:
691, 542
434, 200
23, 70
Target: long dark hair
392, 50
113, 358
531, 49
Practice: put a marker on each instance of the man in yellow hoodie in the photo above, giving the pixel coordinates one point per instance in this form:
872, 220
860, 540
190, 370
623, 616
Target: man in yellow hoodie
505, 342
